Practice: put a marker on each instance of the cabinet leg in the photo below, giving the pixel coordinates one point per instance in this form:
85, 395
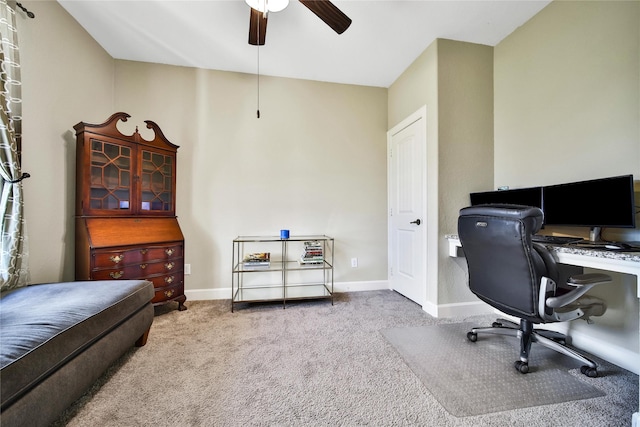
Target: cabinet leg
181, 300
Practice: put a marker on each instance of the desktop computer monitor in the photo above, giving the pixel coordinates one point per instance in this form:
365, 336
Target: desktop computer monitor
531, 196
598, 203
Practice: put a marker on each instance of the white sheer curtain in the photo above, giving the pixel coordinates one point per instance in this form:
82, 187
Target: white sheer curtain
14, 254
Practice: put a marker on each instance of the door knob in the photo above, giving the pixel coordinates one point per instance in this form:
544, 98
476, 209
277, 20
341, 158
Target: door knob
416, 222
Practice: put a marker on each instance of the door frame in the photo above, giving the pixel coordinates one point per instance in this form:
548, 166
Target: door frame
419, 115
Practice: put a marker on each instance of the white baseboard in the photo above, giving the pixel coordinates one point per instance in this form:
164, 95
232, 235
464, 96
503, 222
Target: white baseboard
225, 293
462, 309
612, 353
207, 294
442, 310
361, 286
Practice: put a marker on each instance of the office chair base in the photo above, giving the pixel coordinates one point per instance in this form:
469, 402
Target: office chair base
588, 371
522, 367
550, 339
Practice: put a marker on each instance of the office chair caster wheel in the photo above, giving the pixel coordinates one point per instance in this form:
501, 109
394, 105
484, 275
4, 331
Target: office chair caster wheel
472, 336
522, 367
590, 372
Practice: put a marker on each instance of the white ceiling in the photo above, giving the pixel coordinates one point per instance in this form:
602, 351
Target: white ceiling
384, 39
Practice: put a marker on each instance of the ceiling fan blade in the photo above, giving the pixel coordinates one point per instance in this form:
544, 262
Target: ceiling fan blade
329, 13
257, 27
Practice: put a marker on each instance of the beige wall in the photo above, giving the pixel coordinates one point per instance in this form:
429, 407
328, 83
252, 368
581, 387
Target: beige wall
455, 81
313, 163
465, 127
415, 88
566, 86
566, 90
66, 78
567, 94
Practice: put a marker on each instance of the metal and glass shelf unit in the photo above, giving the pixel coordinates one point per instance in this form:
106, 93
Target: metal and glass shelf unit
285, 276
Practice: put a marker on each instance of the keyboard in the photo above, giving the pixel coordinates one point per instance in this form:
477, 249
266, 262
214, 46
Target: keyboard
554, 240
611, 246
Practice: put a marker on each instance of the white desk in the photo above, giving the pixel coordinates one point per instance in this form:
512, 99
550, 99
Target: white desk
620, 262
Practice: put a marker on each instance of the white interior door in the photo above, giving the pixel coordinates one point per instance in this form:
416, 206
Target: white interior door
407, 222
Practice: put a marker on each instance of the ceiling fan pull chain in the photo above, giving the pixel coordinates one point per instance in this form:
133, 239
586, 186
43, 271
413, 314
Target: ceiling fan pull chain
258, 75
258, 81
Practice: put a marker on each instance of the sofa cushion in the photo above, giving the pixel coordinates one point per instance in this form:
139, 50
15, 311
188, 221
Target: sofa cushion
44, 326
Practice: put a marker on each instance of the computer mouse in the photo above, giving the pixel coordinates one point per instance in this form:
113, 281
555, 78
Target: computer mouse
619, 246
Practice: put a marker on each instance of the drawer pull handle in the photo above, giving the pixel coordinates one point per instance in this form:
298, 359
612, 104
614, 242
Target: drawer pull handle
143, 266
116, 274
169, 251
168, 279
170, 265
143, 251
169, 294
116, 258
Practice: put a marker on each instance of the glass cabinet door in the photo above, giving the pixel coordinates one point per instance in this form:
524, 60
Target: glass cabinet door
124, 175
111, 176
157, 174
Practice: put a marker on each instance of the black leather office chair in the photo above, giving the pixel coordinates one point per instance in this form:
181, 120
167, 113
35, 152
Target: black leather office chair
519, 278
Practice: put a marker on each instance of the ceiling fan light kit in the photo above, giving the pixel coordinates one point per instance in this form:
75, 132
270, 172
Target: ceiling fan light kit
268, 5
323, 9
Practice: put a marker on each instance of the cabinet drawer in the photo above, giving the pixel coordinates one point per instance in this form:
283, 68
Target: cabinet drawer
161, 267
162, 252
166, 280
138, 271
110, 258
166, 293
124, 273
106, 259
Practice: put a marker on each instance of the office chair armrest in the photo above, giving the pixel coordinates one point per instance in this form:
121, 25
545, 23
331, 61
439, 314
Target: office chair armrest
581, 283
590, 278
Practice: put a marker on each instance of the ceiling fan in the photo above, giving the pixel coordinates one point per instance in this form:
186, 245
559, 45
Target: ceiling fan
324, 9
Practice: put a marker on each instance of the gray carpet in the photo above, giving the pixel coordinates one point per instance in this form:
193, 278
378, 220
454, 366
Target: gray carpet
312, 364
478, 378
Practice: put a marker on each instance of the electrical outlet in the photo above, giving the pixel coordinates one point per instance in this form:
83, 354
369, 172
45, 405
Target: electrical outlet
354, 262
187, 269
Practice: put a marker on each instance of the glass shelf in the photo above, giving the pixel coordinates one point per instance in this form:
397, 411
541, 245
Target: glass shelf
285, 277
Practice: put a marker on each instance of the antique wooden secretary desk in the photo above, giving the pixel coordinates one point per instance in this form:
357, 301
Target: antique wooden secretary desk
126, 227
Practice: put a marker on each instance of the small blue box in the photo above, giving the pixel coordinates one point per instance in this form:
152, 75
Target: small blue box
284, 234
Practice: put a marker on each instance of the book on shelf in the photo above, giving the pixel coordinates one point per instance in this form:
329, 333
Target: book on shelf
255, 266
313, 253
313, 244
310, 260
257, 257
257, 260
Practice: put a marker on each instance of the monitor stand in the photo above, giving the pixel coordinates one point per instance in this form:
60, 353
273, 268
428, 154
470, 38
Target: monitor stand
594, 235
595, 239
595, 242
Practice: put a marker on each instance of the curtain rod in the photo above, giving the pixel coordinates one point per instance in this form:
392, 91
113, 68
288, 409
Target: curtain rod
24, 9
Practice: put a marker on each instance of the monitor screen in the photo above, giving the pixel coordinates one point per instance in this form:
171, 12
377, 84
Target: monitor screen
606, 202
520, 196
